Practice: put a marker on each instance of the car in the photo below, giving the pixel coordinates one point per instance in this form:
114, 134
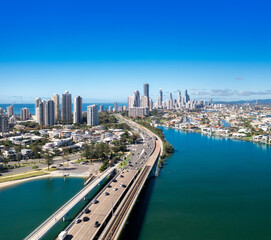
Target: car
85, 219
115, 189
53, 167
106, 193
114, 180
0, 174
109, 186
87, 210
123, 185
94, 201
121, 176
96, 224
78, 220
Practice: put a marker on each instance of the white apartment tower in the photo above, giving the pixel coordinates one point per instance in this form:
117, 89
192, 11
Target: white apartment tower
92, 115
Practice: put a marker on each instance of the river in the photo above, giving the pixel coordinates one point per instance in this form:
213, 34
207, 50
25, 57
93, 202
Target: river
210, 189
25, 206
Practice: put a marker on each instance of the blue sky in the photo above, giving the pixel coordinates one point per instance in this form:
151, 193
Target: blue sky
104, 50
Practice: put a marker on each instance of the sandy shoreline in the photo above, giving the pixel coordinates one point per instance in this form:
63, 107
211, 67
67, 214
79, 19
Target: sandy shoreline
15, 182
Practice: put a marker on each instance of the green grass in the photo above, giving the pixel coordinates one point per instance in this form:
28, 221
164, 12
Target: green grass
124, 162
21, 176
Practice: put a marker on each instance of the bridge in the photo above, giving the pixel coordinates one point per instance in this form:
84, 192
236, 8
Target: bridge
60, 214
105, 217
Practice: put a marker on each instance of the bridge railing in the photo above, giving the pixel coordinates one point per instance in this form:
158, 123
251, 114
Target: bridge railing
60, 209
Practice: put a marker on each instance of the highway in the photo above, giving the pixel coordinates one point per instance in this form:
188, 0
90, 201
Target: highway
107, 217
39, 232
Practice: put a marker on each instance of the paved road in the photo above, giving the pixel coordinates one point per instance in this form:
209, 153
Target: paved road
100, 211
49, 223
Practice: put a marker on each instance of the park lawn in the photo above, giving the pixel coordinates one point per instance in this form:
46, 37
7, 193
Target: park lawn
22, 176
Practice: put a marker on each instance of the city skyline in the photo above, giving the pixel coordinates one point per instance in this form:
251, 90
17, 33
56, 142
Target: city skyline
221, 52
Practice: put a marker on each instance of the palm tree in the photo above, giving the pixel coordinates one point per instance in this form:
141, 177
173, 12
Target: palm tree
48, 158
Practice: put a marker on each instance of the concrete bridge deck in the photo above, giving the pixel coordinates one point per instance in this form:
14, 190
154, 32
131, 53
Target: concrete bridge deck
39, 232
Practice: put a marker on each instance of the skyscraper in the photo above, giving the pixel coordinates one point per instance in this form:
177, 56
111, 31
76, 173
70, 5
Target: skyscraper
101, 108
10, 111
40, 113
92, 115
160, 98
186, 97
77, 110
55, 98
146, 90
115, 106
4, 126
66, 107
37, 102
24, 114
134, 101
49, 113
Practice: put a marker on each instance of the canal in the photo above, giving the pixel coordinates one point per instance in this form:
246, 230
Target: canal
210, 188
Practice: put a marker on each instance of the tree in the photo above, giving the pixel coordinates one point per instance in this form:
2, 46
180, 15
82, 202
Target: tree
48, 158
66, 153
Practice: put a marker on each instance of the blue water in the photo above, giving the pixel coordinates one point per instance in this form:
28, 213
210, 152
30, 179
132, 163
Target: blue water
31, 107
25, 206
209, 189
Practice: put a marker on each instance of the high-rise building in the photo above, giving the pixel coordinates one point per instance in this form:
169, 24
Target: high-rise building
160, 99
110, 109
40, 113
49, 113
134, 101
4, 126
24, 114
101, 108
179, 99
10, 111
92, 115
138, 111
37, 102
77, 110
186, 97
146, 90
145, 101
1, 111
66, 107
55, 98
115, 107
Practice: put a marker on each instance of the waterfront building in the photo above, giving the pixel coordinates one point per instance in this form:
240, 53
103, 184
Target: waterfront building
92, 115
49, 113
37, 102
1, 111
55, 98
77, 110
110, 109
24, 114
66, 107
10, 111
101, 108
115, 109
40, 114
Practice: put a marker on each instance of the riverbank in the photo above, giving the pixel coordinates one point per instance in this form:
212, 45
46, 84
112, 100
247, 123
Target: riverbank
244, 139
